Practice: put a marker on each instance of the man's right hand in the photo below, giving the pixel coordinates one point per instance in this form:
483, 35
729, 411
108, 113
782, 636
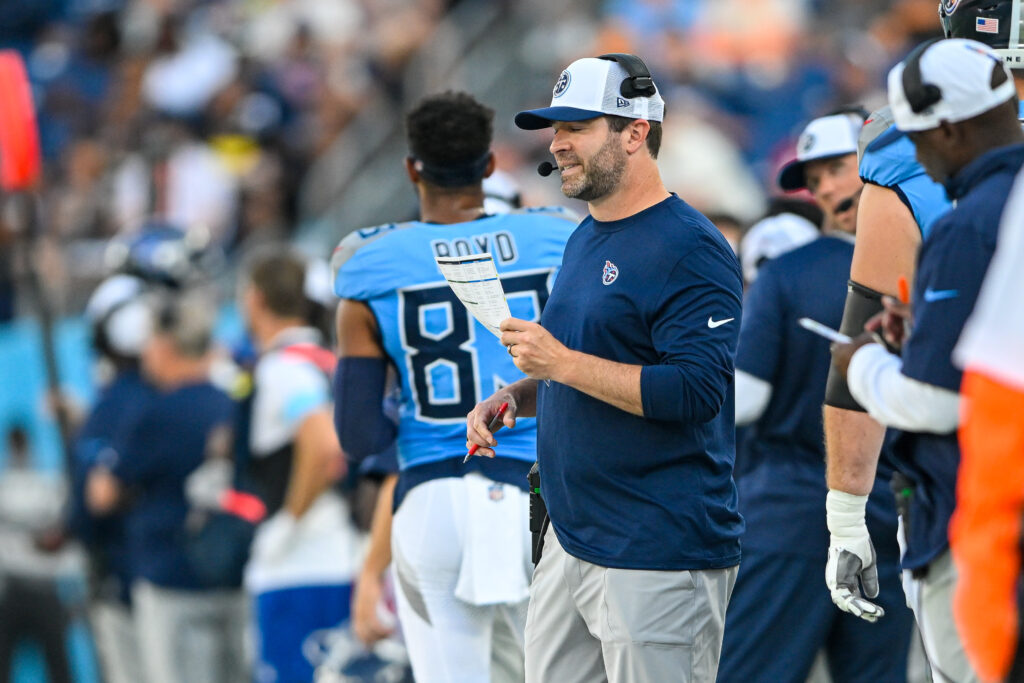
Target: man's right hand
367, 610
476, 422
851, 557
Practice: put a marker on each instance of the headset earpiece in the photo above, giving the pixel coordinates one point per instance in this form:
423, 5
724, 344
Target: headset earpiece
639, 82
920, 95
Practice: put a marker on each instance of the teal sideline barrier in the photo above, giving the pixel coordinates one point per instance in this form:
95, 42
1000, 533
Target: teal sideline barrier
23, 377
23, 403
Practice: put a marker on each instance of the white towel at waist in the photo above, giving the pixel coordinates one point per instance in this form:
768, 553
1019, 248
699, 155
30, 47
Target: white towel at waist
495, 558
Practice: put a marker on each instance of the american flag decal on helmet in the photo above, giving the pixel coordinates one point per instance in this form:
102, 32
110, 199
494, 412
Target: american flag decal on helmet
985, 25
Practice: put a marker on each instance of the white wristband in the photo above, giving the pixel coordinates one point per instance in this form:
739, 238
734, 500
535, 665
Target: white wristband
844, 511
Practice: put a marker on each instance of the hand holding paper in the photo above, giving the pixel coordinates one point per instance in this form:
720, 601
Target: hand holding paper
474, 279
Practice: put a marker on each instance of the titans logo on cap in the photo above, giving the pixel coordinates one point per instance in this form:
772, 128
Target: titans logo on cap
562, 84
806, 143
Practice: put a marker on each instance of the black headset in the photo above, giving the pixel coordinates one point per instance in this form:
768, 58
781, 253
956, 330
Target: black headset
920, 95
639, 82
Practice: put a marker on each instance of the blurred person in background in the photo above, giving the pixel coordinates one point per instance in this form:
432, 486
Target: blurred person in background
304, 556
187, 632
74, 65
701, 161
985, 528
957, 102
898, 208
120, 320
731, 227
772, 237
459, 537
781, 371
788, 224
501, 193
898, 205
175, 177
31, 608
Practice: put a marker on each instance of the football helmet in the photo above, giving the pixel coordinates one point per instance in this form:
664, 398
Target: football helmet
996, 23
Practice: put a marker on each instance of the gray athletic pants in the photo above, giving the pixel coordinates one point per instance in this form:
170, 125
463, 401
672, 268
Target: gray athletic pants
118, 648
931, 598
190, 636
588, 623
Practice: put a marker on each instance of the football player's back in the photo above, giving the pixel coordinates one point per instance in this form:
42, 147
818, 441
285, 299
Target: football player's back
446, 360
459, 532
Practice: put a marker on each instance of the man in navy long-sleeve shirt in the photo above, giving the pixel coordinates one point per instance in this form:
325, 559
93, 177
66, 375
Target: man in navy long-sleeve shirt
635, 414
965, 128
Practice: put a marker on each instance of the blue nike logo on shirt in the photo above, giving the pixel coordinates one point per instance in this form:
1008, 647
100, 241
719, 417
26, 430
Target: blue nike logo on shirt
931, 295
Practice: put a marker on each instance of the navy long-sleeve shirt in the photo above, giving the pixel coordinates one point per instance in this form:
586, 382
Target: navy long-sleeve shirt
661, 289
782, 491
951, 267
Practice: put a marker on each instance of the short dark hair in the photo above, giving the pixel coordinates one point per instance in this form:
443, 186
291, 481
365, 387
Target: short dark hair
280, 277
618, 124
449, 129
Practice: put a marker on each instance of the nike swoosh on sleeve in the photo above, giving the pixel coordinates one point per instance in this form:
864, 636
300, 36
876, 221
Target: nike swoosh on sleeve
931, 295
712, 323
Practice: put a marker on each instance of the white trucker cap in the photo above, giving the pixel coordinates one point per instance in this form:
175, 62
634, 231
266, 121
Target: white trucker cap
589, 88
771, 237
823, 138
948, 80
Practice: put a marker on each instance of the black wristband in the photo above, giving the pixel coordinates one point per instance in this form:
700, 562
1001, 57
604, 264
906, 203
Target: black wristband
861, 304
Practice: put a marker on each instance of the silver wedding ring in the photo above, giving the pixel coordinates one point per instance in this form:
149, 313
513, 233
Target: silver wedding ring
509, 347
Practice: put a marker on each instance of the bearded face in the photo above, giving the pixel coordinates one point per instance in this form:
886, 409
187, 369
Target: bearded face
592, 178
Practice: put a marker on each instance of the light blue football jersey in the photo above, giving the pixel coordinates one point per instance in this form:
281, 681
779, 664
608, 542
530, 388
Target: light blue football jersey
895, 166
449, 362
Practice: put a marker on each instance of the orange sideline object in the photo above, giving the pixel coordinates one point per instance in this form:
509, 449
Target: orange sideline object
904, 290
985, 532
19, 137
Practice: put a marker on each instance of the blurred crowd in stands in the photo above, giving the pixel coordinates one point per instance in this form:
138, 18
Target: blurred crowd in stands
218, 117
211, 114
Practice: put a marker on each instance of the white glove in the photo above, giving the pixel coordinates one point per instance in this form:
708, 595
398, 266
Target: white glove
851, 556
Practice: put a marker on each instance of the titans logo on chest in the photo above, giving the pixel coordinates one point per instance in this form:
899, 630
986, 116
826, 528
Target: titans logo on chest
610, 273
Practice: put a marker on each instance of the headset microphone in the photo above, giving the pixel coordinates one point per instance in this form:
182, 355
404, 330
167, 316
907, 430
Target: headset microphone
547, 168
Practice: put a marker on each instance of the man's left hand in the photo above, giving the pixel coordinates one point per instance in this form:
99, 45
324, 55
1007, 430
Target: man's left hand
843, 353
851, 557
533, 349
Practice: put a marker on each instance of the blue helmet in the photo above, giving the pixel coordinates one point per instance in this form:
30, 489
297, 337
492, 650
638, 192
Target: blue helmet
343, 659
161, 254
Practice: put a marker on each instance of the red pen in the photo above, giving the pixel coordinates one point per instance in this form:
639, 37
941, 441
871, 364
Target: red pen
495, 421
